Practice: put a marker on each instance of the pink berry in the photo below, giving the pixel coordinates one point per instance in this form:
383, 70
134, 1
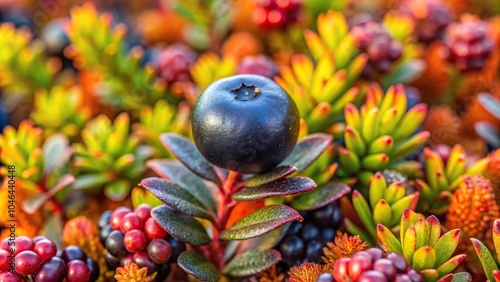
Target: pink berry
360, 262
134, 241
4, 260
77, 271
4, 245
340, 269
116, 217
45, 249
10, 277
27, 262
23, 243
143, 211
153, 230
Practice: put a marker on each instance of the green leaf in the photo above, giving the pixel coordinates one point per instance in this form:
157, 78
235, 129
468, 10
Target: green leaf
180, 175
422, 231
275, 174
388, 239
188, 154
434, 230
307, 150
487, 260
450, 265
281, 187
266, 241
446, 245
260, 222
56, 152
174, 196
405, 72
409, 218
364, 212
180, 226
496, 237
424, 258
429, 275
382, 213
251, 262
409, 244
90, 181
117, 190
320, 196
196, 265
462, 277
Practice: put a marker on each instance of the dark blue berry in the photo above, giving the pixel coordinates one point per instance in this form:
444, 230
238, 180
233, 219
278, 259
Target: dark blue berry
114, 244
104, 233
104, 219
73, 253
292, 248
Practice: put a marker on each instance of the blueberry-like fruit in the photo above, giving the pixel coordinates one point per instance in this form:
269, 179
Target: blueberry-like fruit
245, 123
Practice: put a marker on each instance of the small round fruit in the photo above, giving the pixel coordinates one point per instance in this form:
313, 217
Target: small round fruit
131, 222
77, 271
4, 245
341, 269
38, 238
177, 249
386, 267
245, 123
27, 262
153, 230
104, 219
111, 261
94, 269
143, 211
23, 243
292, 248
4, 260
10, 277
372, 276
159, 250
45, 249
53, 270
73, 253
360, 262
142, 260
114, 244
134, 241
104, 233
116, 217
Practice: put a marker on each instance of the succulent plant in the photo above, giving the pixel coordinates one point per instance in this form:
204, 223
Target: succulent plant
110, 157
321, 91
487, 131
425, 249
22, 64
40, 167
210, 68
489, 262
380, 134
385, 206
162, 117
444, 177
473, 209
123, 82
61, 111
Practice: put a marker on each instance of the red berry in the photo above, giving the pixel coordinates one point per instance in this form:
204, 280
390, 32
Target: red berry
131, 222
375, 253
4, 245
116, 217
174, 62
134, 241
159, 250
27, 262
142, 260
23, 243
4, 260
10, 277
360, 262
340, 269
45, 249
77, 271
153, 230
38, 238
143, 211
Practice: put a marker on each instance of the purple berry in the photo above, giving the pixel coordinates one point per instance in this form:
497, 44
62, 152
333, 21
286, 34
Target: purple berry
71, 253
53, 270
159, 250
27, 262
77, 271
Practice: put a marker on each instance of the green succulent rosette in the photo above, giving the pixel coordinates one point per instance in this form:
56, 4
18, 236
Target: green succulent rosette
490, 263
110, 157
441, 179
385, 205
380, 135
425, 248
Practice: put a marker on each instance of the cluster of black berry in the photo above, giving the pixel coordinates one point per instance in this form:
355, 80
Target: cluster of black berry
272, 14
373, 39
374, 265
134, 236
467, 43
304, 241
39, 260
